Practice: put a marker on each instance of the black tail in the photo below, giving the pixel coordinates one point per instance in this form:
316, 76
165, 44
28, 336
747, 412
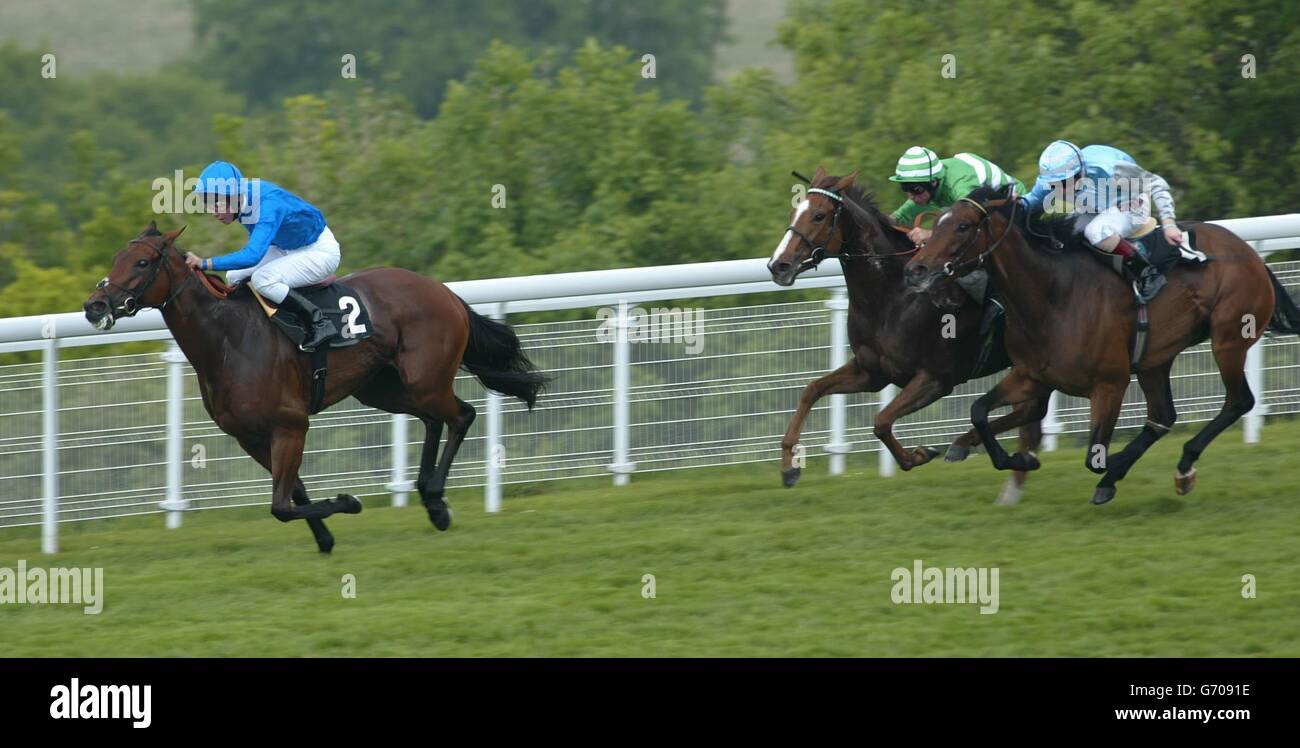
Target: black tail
494, 356
1286, 315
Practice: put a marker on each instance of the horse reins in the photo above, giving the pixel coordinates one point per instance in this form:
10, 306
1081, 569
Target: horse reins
951, 268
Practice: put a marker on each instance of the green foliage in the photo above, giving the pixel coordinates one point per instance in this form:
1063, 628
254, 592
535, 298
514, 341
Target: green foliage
600, 167
268, 51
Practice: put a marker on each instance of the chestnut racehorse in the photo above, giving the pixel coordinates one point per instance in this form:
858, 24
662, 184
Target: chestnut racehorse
896, 338
255, 382
1070, 320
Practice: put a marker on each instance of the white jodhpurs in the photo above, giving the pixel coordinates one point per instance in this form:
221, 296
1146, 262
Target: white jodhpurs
1117, 222
283, 269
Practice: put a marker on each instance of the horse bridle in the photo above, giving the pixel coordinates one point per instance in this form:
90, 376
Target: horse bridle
819, 250
953, 267
130, 304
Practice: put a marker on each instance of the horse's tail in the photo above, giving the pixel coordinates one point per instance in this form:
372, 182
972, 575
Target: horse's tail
1286, 314
493, 354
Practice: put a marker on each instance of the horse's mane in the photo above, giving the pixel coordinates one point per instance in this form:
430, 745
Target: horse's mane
1063, 228
865, 200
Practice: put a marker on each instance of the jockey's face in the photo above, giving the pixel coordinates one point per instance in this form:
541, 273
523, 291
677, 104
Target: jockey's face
225, 208
920, 193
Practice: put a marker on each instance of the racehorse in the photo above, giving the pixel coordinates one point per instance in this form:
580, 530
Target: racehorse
896, 338
1070, 320
255, 382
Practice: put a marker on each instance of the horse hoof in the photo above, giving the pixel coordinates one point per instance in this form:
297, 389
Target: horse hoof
439, 513
326, 544
349, 504
1183, 484
1103, 495
924, 455
956, 453
1010, 495
790, 477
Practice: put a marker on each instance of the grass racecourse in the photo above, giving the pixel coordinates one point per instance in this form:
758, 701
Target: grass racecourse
742, 567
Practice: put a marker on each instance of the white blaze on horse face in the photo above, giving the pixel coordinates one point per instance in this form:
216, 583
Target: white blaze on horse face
785, 240
942, 218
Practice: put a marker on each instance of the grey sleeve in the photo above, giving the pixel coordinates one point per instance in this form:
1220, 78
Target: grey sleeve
1154, 185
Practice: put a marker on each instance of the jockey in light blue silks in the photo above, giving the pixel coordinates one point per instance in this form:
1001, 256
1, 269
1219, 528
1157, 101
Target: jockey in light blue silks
1107, 182
289, 246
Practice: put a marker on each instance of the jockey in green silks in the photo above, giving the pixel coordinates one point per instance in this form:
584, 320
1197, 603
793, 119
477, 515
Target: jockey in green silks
932, 183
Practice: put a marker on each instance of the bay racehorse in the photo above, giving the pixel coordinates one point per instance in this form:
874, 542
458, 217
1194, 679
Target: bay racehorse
255, 382
1070, 321
896, 337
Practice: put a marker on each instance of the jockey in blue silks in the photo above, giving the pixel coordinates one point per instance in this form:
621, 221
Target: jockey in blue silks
1107, 182
289, 246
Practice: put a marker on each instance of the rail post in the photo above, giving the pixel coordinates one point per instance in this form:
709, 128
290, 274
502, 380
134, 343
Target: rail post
493, 450
837, 447
887, 463
1051, 423
50, 444
174, 502
1254, 420
398, 484
621, 467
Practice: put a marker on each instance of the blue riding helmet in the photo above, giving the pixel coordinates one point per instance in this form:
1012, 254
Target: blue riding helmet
220, 178
1059, 161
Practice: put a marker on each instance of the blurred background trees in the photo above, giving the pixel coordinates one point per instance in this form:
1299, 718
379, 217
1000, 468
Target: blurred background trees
601, 167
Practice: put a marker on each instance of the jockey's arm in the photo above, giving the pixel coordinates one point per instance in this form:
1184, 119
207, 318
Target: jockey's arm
252, 252
1034, 199
1162, 200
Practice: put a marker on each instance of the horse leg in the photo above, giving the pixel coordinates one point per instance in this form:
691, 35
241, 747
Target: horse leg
1021, 413
428, 453
1031, 435
922, 390
1014, 389
1105, 403
286, 458
1230, 355
458, 415
847, 379
262, 454
1161, 415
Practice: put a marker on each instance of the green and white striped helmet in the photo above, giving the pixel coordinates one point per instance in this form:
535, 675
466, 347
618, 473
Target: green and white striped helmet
918, 164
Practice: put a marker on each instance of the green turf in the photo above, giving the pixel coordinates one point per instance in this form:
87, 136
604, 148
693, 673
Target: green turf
743, 568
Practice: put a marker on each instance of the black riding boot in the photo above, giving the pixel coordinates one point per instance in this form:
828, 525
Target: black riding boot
1147, 279
320, 327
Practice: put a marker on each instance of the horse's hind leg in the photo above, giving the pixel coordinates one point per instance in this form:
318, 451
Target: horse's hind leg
1161, 415
1230, 355
458, 415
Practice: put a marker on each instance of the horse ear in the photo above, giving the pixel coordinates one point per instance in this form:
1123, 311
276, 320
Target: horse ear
846, 182
819, 175
170, 236
151, 229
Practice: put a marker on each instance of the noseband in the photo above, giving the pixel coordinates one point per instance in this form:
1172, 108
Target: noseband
130, 304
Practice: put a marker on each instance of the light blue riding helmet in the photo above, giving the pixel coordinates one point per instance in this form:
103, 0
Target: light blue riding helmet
1059, 161
219, 178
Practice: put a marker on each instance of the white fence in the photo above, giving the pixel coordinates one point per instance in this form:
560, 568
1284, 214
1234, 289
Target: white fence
89, 438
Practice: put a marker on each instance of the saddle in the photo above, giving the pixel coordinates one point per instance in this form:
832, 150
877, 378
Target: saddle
340, 304
337, 301
1156, 249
